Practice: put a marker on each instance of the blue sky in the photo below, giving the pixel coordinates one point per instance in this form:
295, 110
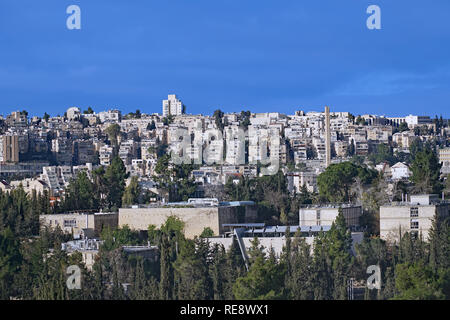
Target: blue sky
235, 55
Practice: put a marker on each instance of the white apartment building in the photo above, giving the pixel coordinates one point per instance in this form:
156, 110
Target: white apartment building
128, 151
213, 147
400, 171
235, 138
73, 113
403, 139
411, 120
110, 116
297, 180
444, 158
319, 144
341, 148
105, 155
172, 106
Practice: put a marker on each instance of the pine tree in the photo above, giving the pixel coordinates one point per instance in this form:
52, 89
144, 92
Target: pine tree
132, 192
339, 242
299, 274
139, 289
264, 280
115, 176
166, 274
322, 271
218, 272
191, 271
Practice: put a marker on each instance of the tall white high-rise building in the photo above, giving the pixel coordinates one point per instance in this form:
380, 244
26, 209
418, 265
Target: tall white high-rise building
172, 106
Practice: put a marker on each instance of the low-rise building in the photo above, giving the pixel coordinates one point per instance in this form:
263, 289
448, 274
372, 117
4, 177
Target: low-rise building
414, 216
29, 185
315, 215
272, 238
400, 171
444, 159
197, 214
87, 247
297, 180
80, 223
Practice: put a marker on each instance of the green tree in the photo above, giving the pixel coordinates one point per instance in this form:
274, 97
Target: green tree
351, 149
403, 127
10, 260
218, 119
151, 125
383, 153
115, 176
335, 182
192, 271
426, 171
113, 132
207, 233
264, 280
339, 242
132, 192
89, 111
299, 277
417, 282
79, 194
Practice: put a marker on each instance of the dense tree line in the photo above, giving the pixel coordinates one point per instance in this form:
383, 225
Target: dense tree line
19, 212
196, 270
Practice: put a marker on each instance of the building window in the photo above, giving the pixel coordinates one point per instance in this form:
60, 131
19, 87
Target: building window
318, 222
70, 223
414, 224
414, 212
318, 215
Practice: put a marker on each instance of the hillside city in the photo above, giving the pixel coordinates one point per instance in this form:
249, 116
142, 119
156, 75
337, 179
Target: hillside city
240, 205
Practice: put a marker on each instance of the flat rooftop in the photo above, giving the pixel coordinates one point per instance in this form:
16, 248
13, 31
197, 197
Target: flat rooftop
186, 204
329, 206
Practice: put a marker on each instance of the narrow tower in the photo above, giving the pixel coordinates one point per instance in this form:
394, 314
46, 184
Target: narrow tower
327, 137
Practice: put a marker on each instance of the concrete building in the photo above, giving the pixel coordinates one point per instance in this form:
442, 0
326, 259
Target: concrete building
62, 149
105, 155
325, 215
29, 185
297, 180
5, 186
444, 159
404, 139
17, 119
87, 247
113, 116
85, 151
327, 137
172, 106
340, 148
148, 252
414, 121
272, 237
73, 113
400, 171
414, 216
78, 224
9, 149
22, 169
196, 214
